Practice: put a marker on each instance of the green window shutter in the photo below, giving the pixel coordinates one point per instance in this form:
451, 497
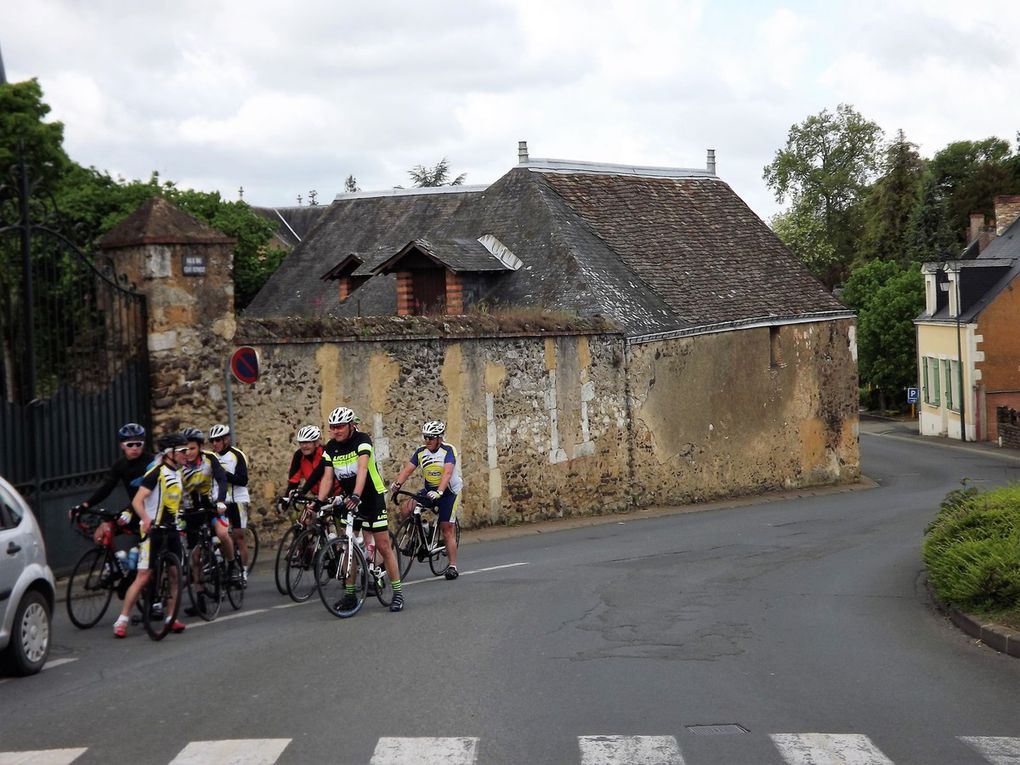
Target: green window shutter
948, 368
924, 373
938, 383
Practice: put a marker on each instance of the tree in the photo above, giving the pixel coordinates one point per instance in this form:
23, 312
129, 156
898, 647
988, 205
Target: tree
969, 175
931, 235
351, 184
424, 177
891, 204
824, 171
887, 297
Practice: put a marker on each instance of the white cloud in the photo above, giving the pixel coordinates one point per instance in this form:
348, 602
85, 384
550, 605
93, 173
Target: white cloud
283, 99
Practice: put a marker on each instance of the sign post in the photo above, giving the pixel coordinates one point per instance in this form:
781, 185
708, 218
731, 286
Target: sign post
244, 365
912, 399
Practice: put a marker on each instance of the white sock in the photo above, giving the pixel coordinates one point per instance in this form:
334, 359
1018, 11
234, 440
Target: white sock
122, 619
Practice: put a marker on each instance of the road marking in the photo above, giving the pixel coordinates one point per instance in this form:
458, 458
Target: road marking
826, 748
229, 617
42, 757
425, 751
629, 750
46, 666
241, 751
467, 573
997, 750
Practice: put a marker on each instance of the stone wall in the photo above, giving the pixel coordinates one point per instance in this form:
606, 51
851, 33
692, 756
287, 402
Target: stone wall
744, 411
539, 422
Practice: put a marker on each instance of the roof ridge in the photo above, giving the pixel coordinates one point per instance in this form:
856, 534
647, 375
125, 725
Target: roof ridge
541, 165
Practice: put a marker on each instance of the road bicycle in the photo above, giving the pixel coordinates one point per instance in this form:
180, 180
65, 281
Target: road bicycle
299, 576
419, 539
300, 510
161, 598
99, 572
341, 572
203, 574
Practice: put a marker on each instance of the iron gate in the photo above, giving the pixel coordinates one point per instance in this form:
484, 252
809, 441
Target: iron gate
74, 356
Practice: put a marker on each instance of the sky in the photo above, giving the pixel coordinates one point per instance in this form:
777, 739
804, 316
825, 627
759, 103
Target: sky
285, 98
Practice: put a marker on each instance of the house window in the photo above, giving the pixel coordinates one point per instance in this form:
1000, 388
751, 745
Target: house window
952, 370
932, 394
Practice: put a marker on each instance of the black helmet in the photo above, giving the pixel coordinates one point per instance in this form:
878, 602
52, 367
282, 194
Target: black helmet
171, 441
193, 434
130, 431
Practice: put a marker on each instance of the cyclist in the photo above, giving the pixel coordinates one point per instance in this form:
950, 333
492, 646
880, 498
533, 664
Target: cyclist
441, 471
306, 458
158, 497
348, 459
128, 470
205, 492
235, 464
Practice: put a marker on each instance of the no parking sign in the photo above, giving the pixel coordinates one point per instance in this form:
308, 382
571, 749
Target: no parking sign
244, 364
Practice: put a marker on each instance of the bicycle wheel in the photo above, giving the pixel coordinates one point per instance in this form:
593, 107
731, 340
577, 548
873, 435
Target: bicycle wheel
301, 565
206, 583
439, 560
406, 541
87, 595
165, 596
341, 577
281, 560
251, 538
234, 585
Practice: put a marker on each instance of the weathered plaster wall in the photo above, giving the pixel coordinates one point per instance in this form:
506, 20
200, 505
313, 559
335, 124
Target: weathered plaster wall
539, 422
739, 412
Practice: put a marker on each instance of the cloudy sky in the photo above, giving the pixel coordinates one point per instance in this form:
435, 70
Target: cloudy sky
283, 98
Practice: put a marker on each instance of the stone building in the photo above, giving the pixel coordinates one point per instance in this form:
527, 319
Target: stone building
720, 366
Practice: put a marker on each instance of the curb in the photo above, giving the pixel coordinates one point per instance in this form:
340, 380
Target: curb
995, 636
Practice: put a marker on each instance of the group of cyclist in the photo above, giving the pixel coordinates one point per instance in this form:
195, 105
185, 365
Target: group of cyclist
184, 485
182, 480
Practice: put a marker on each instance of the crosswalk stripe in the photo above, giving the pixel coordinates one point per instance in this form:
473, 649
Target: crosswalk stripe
828, 749
42, 757
998, 750
425, 751
629, 750
240, 751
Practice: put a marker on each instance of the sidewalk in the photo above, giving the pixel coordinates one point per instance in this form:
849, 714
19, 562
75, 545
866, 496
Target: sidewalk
995, 636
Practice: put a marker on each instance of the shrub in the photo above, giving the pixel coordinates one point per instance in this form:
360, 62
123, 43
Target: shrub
972, 549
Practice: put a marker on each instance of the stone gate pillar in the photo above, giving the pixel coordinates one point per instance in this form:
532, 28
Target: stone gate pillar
185, 268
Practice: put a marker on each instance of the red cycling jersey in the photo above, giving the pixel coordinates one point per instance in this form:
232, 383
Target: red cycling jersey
302, 467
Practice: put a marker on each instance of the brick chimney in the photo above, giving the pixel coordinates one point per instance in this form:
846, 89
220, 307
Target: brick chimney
979, 231
1007, 210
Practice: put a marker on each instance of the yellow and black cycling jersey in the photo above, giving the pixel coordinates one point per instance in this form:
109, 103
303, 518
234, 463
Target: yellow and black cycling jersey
167, 490
204, 479
342, 458
433, 465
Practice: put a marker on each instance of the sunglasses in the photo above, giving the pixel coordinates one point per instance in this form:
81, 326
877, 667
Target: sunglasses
134, 444
181, 449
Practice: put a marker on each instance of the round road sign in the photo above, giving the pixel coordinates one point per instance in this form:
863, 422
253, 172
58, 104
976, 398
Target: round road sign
244, 364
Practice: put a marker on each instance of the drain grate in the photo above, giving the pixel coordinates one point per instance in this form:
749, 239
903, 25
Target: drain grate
726, 729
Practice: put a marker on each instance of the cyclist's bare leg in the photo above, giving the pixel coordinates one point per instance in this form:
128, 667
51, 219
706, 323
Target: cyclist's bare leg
450, 540
385, 550
223, 534
131, 596
242, 546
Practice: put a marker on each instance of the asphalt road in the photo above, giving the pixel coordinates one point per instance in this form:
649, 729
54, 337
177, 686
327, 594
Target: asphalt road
792, 630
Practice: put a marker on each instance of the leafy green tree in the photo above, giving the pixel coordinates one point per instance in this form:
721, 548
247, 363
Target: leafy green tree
804, 233
887, 298
931, 233
439, 175
969, 175
823, 171
891, 204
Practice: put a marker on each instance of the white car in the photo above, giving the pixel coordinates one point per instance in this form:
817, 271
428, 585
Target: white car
26, 587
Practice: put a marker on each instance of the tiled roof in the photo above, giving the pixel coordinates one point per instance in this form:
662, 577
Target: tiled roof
652, 252
158, 221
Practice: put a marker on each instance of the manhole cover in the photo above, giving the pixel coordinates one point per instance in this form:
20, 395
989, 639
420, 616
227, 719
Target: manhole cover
726, 729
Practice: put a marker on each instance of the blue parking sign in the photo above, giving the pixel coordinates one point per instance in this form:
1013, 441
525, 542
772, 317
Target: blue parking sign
912, 396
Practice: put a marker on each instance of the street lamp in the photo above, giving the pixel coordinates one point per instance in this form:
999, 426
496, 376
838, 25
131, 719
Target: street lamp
955, 268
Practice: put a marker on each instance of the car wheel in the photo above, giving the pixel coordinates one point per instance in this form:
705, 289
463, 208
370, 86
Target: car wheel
30, 635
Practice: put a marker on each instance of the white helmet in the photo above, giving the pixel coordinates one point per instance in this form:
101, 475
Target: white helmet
341, 416
308, 433
433, 428
218, 431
